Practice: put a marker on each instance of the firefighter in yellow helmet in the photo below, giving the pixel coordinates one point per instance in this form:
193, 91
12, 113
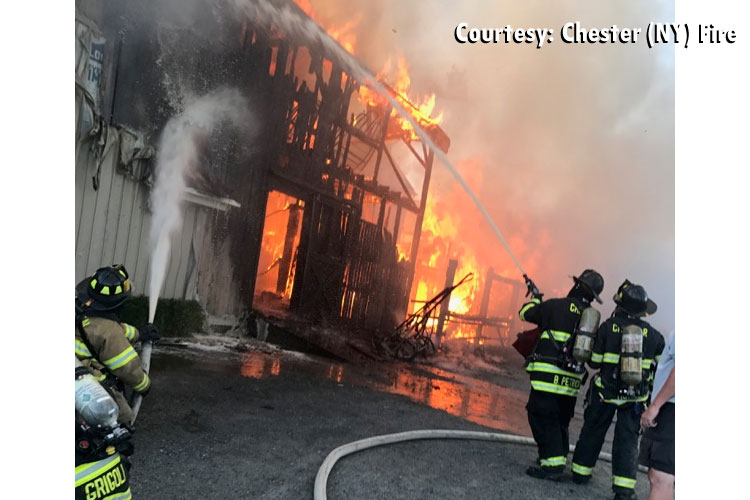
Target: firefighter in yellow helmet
104, 346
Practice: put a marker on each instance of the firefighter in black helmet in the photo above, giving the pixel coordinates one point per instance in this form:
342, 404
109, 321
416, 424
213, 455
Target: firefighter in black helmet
610, 394
554, 385
104, 345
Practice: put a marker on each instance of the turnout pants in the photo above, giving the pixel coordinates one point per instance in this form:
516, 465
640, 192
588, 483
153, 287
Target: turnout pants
596, 420
549, 417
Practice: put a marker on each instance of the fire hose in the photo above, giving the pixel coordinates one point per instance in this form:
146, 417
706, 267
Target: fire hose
321, 479
145, 365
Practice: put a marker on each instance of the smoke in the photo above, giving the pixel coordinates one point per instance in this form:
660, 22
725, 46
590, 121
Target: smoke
180, 149
573, 145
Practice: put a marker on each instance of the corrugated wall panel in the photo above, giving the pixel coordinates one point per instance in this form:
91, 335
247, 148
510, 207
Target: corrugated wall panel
86, 213
134, 233
112, 227
114, 208
123, 221
100, 210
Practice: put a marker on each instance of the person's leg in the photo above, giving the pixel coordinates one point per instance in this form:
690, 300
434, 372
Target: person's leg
625, 450
596, 420
657, 454
544, 422
566, 408
662, 485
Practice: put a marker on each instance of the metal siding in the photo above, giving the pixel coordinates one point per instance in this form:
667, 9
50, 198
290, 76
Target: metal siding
113, 216
86, 220
134, 232
144, 252
123, 221
112, 227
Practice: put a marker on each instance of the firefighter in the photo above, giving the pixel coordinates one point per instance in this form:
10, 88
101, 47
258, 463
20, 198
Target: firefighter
554, 383
102, 444
103, 343
609, 394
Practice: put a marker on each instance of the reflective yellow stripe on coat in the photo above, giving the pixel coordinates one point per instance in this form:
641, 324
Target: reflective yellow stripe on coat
86, 472
121, 359
81, 350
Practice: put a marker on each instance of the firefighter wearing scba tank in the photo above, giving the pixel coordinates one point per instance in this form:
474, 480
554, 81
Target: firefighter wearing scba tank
555, 376
102, 444
104, 345
626, 351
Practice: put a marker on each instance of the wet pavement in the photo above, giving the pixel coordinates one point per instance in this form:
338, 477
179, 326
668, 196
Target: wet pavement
470, 398
259, 424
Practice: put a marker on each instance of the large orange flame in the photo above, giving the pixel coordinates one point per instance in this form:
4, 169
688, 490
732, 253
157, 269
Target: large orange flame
398, 82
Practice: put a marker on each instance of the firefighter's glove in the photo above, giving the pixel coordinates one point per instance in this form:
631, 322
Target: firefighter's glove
531, 288
149, 333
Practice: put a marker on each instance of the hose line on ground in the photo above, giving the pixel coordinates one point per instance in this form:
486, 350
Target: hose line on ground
321, 479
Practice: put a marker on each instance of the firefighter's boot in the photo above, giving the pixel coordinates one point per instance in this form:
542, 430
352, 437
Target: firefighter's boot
548, 473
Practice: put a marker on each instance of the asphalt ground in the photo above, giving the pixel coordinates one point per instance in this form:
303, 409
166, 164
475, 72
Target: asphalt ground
258, 425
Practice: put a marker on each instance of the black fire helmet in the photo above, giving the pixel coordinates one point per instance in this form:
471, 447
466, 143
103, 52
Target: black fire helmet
592, 282
105, 290
634, 299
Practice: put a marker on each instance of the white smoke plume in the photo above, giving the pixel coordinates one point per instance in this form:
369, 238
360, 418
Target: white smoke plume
178, 157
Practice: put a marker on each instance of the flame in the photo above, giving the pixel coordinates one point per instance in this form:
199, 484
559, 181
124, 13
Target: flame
344, 34
421, 110
273, 242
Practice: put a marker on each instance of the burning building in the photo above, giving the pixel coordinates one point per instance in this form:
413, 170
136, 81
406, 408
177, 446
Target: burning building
318, 211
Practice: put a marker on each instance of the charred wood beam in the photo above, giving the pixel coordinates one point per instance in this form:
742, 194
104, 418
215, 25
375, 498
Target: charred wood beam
382, 143
420, 217
400, 179
362, 136
397, 224
381, 214
450, 275
416, 155
469, 319
286, 256
484, 305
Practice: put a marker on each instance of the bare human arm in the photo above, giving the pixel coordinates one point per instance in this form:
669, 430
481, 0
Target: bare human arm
648, 419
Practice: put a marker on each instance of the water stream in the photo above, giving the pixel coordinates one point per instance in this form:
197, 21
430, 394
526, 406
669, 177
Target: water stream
178, 156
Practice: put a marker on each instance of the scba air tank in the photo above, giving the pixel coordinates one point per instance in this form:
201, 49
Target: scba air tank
93, 402
586, 334
631, 355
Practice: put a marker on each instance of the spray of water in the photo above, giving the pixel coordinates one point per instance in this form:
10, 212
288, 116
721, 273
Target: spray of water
178, 156
293, 24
